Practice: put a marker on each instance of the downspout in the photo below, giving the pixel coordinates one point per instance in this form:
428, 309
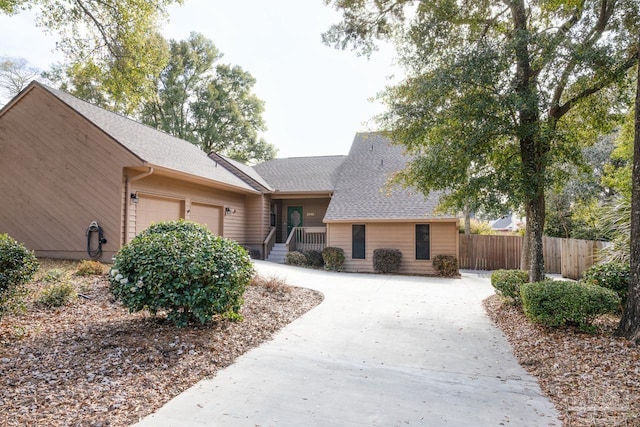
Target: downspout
127, 201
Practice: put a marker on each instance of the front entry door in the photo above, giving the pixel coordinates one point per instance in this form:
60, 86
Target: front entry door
294, 218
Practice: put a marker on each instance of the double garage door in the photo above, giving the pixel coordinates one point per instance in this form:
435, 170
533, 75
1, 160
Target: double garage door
152, 209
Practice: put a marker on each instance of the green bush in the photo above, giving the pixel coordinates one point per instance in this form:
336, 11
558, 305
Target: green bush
314, 258
17, 267
386, 260
57, 295
507, 284
333, 258
182, 268
611, 275
295, 258
446, 265
52, 276
556, 303
90, 268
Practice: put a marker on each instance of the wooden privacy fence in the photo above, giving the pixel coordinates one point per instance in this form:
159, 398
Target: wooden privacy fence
568, 257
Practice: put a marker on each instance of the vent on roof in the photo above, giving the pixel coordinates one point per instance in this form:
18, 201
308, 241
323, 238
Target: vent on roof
381, 162
371, 147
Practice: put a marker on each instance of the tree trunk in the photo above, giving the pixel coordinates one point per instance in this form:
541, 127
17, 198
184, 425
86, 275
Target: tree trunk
535, 225
630, 323
467, 220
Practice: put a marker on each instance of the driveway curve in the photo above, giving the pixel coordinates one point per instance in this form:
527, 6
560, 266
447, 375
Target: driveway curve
380, 350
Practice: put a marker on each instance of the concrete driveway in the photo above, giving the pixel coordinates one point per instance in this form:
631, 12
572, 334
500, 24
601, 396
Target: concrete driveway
379, 351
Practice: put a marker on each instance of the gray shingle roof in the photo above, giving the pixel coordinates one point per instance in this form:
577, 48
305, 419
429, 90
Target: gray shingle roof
301, 174
360, 193
152, 146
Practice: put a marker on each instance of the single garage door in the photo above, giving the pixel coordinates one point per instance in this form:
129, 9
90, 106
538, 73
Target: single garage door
155, 209
209, 215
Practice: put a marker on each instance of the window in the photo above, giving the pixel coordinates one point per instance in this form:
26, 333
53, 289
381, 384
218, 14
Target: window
422, 241
357, 241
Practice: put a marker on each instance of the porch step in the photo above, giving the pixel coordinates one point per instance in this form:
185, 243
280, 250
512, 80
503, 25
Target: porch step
278, 253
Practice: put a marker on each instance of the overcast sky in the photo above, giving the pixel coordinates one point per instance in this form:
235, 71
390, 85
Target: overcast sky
316, 97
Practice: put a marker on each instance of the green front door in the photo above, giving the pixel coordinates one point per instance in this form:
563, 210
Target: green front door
294, 218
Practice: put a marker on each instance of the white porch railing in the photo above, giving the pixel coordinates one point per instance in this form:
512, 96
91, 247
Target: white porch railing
306, 239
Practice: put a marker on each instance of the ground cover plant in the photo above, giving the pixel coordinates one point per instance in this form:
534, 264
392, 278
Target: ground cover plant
92, 363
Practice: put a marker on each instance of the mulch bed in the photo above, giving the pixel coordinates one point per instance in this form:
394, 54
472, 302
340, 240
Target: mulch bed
92, 363
593, 380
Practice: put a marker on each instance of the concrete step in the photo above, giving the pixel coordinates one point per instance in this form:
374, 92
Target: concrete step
278, 253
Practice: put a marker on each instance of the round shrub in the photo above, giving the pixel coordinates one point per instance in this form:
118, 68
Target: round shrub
386, 260
314, 258
90, 268
446, 265
57, 295
556, 303
507, 284
333, 258
17, 267
184, 269
295, 258
611, 275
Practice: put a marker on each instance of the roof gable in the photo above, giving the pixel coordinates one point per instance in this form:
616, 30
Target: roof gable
361, 192
151, 145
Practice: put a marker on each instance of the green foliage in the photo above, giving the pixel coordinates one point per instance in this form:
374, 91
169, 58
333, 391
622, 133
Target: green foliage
111, 48
52, 276
57, 295
507, 284
557, 303
314, 258
211, 105
182, 268
295, 258
611, 275
17, 267
333, 258
386, 260
446, 265
90, 268
477, 227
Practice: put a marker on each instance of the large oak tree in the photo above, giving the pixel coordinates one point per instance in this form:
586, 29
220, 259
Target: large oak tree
111, 47
495, 89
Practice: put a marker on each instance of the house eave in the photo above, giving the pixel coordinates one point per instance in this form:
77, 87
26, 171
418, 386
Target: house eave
387, 220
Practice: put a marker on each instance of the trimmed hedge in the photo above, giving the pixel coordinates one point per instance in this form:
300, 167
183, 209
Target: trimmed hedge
611, 275
295, 258
555, 303
386, 260
184, 269
507, 284
333, 258
17, 267
446, 265
314, 258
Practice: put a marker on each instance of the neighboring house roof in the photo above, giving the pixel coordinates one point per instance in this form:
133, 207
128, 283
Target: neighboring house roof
301, 174
151, 145
507, 222
361, 193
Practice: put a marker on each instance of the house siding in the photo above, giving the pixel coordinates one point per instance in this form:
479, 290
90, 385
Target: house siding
395, 235
233, 224
58, 173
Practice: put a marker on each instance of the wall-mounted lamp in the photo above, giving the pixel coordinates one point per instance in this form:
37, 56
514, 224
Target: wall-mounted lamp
229, 211
134, 197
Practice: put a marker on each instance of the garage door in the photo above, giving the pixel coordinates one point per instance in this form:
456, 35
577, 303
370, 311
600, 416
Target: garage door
156, 209
209, 215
